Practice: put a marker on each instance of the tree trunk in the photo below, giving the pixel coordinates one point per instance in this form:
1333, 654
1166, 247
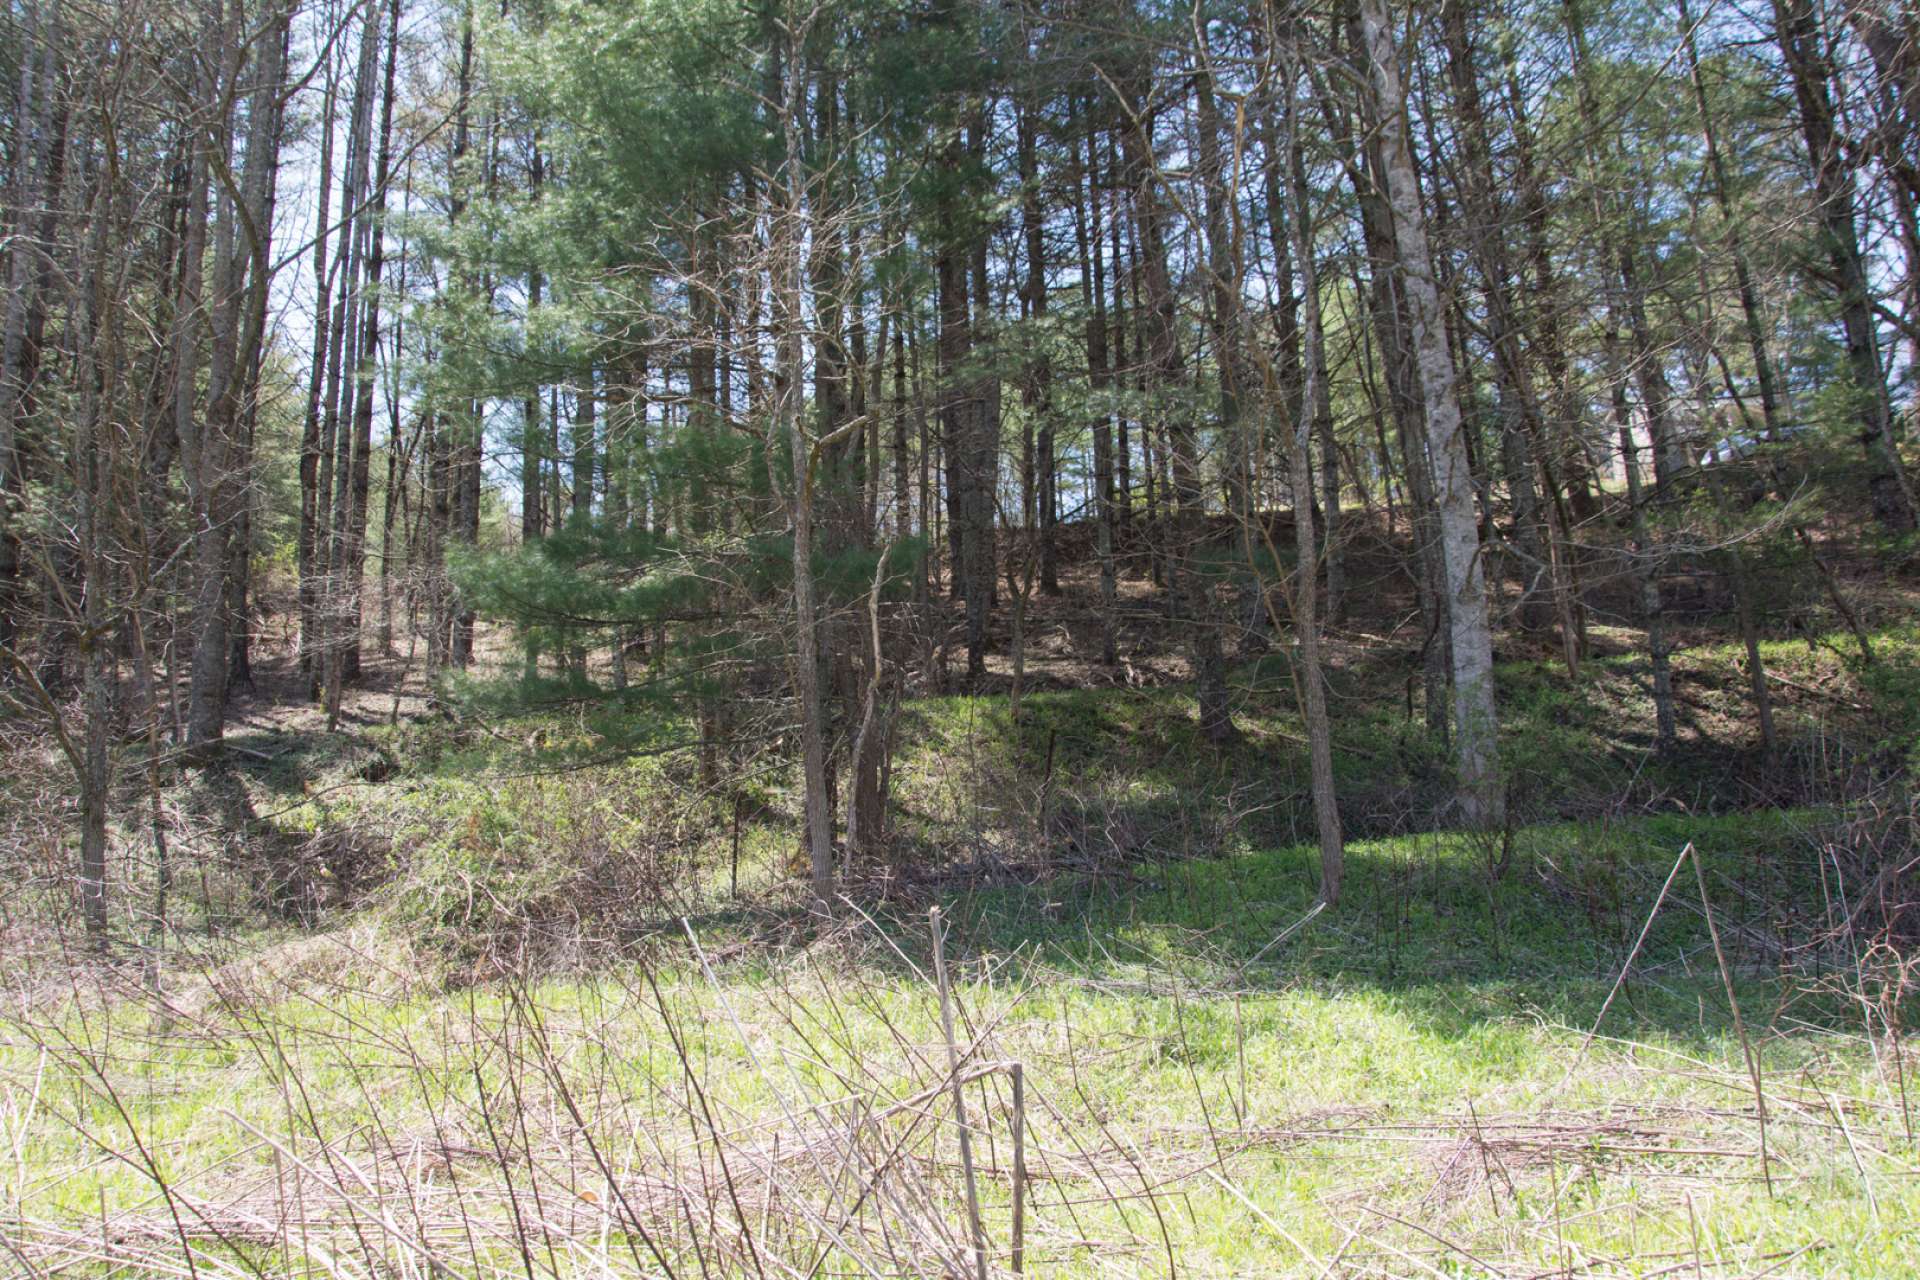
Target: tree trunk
1645, 557
1039, 381
1754, 329
584, 414
350, 532
33, 141
1802, 46
1476, 724
1093, 295
203, 466
790, 238
1308, 677
1520, 404
1188, 596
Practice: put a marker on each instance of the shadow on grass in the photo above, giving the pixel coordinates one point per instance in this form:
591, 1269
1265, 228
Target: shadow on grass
1091, 756
1097, 836
1424, 923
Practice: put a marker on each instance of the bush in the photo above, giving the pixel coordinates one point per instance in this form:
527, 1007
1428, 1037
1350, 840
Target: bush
545, 872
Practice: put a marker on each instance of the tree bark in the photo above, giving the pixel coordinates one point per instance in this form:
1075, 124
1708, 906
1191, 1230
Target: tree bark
350, 531
1476, 724
1521, 405
1188, 596
1308, 676
791, 236
1802, 47
29, 186
1093, 293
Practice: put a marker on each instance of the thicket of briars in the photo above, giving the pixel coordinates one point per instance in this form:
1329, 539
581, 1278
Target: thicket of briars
531, 529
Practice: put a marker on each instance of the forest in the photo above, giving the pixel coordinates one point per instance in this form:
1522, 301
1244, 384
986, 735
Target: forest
883, 638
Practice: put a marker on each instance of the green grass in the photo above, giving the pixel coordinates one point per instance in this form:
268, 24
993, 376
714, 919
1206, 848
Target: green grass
1126, 769
495, 1054
1077, 777
1412, 1058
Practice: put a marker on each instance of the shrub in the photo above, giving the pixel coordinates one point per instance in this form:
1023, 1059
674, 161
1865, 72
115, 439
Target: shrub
545, 872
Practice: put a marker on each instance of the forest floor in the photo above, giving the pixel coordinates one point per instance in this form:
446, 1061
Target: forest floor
446, 997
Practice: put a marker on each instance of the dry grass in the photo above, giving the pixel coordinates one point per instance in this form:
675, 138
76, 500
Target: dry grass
320, 1110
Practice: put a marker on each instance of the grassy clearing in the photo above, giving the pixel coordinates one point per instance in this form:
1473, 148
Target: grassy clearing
1398, 1089
478, 1041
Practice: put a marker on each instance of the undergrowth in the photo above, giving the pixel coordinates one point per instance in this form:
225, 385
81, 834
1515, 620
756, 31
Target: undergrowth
513, 999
